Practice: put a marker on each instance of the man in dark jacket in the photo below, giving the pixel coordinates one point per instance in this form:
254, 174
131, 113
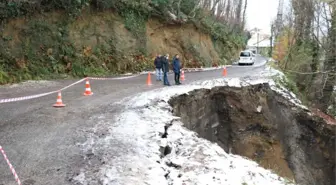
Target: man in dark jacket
165, 67
158, 67
177, 69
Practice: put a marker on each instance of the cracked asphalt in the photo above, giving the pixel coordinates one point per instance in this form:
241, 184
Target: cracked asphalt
42, 142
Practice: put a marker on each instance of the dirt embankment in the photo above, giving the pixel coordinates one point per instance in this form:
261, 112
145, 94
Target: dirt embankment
258, 123
101, 40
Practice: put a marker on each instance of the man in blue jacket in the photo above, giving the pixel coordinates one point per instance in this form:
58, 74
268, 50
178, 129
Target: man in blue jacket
177, 69
158, 67
165, 68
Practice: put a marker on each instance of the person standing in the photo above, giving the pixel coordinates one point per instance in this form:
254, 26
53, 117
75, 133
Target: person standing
165, 67
177, 69
158, 67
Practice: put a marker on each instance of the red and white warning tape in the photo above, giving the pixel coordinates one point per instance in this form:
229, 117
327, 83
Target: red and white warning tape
25, 97
10, 166
8, 100
37, 95
75, 83
118, 78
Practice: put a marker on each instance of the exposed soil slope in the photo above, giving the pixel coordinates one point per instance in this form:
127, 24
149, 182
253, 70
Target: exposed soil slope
258, 123
55, 45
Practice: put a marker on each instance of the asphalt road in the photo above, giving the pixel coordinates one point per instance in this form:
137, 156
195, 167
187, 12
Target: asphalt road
42, 142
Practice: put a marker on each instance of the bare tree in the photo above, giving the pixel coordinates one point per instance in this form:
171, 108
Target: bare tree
312, 36
244, 14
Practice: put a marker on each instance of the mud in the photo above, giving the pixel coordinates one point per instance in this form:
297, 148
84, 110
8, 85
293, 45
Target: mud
260, 124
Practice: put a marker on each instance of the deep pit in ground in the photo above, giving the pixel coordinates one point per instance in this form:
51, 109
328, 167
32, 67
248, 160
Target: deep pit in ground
262, 125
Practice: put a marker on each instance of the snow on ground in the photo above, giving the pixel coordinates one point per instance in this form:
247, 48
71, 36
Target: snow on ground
131, 152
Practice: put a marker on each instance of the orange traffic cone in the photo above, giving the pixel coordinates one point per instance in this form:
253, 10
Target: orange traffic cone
88, 91
59, 102
182, 75
149, 81
224, 72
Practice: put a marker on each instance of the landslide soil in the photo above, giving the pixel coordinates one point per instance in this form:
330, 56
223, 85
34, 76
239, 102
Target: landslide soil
260, 124
102, 39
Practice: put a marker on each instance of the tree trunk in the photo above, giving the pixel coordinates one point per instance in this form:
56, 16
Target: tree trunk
238, 14
330, 65
228, 11
244, 14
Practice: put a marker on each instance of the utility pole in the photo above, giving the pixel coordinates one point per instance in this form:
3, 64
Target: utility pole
279, 18
258, 30
271, 41
258, 42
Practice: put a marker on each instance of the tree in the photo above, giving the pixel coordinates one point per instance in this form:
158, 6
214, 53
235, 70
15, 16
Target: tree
330, 63
307, 49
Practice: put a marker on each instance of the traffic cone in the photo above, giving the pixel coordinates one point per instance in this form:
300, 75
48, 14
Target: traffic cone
224, 72
182, 75
88, 91
59, 102
149, 81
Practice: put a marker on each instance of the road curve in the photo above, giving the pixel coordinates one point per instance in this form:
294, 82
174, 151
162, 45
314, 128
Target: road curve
41, 141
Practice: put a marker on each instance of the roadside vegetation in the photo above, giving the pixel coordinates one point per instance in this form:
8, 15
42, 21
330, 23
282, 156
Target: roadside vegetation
44, 48
306, 51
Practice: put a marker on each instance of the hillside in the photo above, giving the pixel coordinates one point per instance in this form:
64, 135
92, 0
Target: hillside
55, 43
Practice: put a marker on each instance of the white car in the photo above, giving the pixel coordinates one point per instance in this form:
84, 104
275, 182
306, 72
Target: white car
246, 57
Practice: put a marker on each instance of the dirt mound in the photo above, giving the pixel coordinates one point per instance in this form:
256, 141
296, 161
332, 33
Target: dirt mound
258, 123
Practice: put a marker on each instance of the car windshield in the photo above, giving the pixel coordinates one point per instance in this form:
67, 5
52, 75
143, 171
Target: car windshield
245, 54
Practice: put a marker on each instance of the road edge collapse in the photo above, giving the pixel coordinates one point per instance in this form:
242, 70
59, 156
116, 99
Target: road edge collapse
136, 149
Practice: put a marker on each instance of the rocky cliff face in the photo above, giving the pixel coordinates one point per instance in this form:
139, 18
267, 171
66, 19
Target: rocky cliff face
258, 123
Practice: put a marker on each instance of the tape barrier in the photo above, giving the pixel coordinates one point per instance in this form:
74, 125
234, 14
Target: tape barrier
204, 69
118, 78
26, 97
8, 100
10, 166
191, 69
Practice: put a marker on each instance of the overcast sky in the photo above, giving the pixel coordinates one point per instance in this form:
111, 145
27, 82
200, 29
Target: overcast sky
260, 13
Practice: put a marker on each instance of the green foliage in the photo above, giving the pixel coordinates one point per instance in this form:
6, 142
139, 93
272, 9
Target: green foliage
287, 83
299, 59
135, 14
187, 6
135, 22
46, 51
291, 85
194, 50
4, 77
332, 108
18, 8
160, 3
225, 41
